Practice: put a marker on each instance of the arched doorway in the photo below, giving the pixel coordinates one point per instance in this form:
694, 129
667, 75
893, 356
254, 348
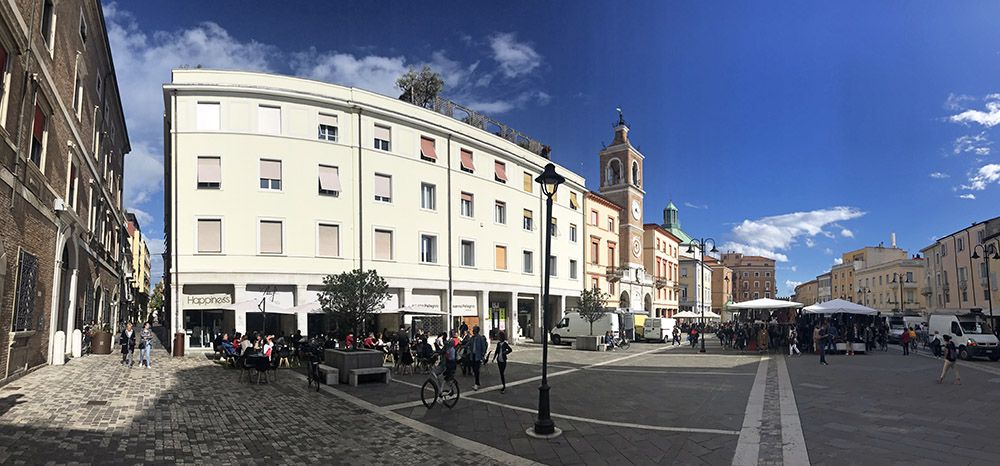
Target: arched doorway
648, 305
624, 302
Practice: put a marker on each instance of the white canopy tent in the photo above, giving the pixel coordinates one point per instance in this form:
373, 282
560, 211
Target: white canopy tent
840, 306
686, 315
712, 315
765, 303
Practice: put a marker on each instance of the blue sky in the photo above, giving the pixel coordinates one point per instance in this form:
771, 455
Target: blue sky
801, 130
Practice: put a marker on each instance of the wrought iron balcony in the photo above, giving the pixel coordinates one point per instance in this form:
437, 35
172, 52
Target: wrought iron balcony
660, 283
615, 274
485, 123
926, 291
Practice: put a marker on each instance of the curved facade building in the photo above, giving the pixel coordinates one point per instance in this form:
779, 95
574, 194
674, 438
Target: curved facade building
273, 182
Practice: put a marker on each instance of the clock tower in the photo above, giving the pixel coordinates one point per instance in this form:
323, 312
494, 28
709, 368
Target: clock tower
621, 183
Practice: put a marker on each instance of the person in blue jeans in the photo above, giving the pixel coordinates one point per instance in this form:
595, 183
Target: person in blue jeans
146, 346
824, 337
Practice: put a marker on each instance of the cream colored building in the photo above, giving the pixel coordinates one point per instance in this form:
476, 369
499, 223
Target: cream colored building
140, 279
807, 293
602, 251
884, 285
953, 279
722, 287
275, 182
841, 281
661, 256
695, 297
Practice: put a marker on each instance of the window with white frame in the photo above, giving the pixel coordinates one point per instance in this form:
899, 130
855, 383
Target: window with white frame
529, 220
428, 196
468, 253
270, 174
383, 188
48, 29
271, 237
428, 151
209, 173
383, 249
572, 232
268, 119
383, 138
500, 212
428, 249
467, 205
528, 262
209, 235
39, 133
328, 240
72, 186
83, 26
329, 181
328, 127
500, 257
552, 266
572, 268
208, 116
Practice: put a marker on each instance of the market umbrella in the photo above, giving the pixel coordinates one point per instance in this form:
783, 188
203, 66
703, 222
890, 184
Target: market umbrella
687, 315
840, 306
765, 303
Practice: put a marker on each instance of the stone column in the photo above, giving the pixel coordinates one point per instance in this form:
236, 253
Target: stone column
71, 314
303, 296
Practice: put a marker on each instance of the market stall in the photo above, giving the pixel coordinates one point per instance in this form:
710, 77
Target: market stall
846, 315
766, 321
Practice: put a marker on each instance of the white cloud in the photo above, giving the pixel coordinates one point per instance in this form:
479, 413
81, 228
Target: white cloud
939, 175
978, 144
754, 251
142, 216
838, 261
373, 73
957, 101
791, 284
968, 196
810, 242
156, 246
143, 173
515, 58
695, 206
986, 174
989, 117
828, 251
497, 107
780, 232
846, 233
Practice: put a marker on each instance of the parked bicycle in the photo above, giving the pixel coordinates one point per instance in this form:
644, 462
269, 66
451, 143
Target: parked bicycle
437, 388
621, 342
313, 352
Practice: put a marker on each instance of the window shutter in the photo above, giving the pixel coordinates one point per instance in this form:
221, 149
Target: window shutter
383, 244
501, 257
270, 237
573, 202
467, 160
209, 170
270, 169
382, 132
529, 184
427, 148
383, 186
527, 213
209, 236
329, 178
467, 197
328, 120
501, 171
329, 240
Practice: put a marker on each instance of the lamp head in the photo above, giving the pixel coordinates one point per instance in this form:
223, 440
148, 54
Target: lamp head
975, 254
690, 249
714, 249
550, 180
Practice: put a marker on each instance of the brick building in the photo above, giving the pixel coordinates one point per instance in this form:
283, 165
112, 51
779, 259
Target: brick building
754, 276
61, 158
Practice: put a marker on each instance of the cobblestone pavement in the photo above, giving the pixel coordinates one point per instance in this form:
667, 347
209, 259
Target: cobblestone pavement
189, 410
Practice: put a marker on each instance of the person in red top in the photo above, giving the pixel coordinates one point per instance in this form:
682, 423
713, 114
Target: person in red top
904, 339
369, 341
349, 341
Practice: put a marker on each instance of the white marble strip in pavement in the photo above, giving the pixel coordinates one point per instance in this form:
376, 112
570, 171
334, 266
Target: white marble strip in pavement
460, 442
793, 443
748, 446
669, 372
611, 423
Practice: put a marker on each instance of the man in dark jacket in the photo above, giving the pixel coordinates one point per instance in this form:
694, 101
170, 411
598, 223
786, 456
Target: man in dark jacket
477, 351
127, 340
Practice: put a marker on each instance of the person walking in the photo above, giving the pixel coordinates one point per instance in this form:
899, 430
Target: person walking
500, 357
127, 341
477, 352
146, 346
793, 346
950, 356
819, 337
677, 336
904, 340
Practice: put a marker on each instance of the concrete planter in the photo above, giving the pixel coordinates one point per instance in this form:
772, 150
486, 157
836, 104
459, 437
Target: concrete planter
344, 361
587, 343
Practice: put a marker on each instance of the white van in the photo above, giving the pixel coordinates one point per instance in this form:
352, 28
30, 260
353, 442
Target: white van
970, 332
658, 329
574, 325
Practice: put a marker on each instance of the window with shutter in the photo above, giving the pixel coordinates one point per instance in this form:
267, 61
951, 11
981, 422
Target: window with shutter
500, 172
467, 205
270, 174
328, 240
209, 173
38, 130
529, 183
529, 221
209, 235
383, 138
329, 181
328, 127
271, 237
501, 258
383, 245
467, 165
383, 188
427, 150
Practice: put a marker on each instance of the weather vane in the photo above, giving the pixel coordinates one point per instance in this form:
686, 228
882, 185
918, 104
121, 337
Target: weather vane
621, 118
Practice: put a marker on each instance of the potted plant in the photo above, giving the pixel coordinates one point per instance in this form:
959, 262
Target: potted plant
592, 309
101, 340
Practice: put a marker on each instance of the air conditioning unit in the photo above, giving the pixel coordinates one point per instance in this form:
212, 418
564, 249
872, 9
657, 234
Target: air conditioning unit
59, 205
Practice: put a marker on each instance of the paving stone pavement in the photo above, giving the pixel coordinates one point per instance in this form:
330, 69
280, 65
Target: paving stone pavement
191, 411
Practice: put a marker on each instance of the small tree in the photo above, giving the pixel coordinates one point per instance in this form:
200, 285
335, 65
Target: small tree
591, 306
352, 297
155, 301
420, 88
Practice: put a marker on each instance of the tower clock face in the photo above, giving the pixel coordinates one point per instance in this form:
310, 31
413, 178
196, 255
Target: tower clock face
636, 211
636, 246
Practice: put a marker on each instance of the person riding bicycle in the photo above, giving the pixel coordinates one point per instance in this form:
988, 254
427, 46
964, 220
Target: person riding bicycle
449, 359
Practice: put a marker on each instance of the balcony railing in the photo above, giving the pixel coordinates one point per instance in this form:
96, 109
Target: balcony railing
485, 123
660, 283
926, 291
615, 274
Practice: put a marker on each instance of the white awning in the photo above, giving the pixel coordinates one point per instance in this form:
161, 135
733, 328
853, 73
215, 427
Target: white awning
765, 303
840, 306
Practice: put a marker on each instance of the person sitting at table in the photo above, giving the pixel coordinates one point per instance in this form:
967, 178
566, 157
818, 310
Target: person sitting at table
245, 344
369, 341
227, 347
268, 345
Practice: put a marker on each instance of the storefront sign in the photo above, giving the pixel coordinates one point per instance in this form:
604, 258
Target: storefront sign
208, 300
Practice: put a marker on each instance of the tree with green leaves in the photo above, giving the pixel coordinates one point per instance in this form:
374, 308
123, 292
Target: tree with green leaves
591, 306
420, 87
155, 301
353, 297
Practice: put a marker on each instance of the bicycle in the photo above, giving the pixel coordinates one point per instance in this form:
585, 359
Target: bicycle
313, 359
621, 343
437, 387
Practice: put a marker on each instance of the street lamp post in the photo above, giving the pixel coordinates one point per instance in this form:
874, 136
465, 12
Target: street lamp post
544, 427
989, 252
701, 267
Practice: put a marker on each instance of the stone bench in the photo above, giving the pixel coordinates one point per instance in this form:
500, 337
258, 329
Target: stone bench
383, 371
331, 375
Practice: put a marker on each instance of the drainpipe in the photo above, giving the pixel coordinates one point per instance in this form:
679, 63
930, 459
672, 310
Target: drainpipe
361, 200
451, 246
